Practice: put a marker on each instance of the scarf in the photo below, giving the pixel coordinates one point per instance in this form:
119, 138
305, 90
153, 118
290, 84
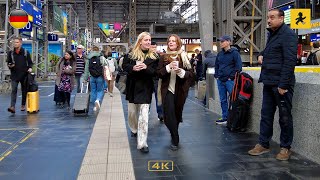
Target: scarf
186, 64
184, 57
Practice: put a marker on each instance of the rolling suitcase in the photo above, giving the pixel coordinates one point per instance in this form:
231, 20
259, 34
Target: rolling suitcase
33, 102
81, 102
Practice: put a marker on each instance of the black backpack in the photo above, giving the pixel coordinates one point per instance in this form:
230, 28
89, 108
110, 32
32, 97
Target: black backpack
30, 82
239, 105
95, 67
312, 58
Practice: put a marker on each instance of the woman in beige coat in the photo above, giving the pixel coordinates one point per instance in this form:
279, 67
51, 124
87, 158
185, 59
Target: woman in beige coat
66, 68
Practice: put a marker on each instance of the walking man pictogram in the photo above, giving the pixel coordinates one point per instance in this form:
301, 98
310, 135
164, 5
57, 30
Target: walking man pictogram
300, 18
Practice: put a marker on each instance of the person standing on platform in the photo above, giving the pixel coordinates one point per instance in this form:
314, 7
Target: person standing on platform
141, 65
20, 64
66, 69
278, 61
209, 62
199, 67
177, 76
228, 62
81, 61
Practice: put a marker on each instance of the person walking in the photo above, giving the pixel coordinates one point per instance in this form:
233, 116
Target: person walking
94, 71
141, 65
228, 62
20, 64
278, 61
66, 69
80, 65
177, 76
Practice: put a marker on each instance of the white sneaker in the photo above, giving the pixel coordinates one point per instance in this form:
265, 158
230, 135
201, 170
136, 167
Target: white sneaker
97, 104
94, 109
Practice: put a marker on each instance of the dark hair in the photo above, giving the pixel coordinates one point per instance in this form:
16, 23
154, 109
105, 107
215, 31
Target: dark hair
72, 59
109, 54
280, 12
153, 43
193, 55
18, 38
316, 44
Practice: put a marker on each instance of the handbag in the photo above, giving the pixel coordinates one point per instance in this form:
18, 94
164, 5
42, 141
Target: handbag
107, 74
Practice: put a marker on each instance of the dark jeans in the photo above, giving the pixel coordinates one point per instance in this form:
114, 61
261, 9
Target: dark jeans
14, 90
170, 119
67, 96
272, 99
78, 77
159, 107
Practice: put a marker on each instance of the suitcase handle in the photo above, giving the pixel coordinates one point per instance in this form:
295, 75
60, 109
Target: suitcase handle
81, 91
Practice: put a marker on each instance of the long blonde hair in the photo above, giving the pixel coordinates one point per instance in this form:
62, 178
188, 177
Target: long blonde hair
137, 54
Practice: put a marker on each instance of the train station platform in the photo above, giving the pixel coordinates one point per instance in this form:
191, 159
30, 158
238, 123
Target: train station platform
53, 144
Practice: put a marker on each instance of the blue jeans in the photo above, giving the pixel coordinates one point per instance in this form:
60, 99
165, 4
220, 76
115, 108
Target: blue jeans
96, 85
272, 99
223, 88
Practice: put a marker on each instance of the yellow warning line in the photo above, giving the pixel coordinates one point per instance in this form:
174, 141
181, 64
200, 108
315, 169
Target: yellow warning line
16, 129
15, 146
3, 141
297, 69
27, 137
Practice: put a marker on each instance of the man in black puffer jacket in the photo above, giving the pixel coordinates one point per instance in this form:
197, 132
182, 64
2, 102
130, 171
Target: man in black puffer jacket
278, 61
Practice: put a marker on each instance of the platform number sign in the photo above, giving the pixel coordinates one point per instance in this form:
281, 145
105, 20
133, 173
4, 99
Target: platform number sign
53, 37
27, 28
160, 165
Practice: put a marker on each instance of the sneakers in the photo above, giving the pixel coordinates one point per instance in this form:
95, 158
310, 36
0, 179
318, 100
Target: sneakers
284, 154
144, 150
258, 150
221, 121
97, 105
94, 108
174, 147
12, 109
23, 108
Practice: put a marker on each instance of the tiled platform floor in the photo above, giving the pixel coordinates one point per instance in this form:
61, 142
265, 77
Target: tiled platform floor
209, 151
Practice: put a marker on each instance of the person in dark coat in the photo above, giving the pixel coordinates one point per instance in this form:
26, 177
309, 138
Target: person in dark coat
228, 62
20, 64
177, 76
209, 61
141, 65
199, 67
278, 61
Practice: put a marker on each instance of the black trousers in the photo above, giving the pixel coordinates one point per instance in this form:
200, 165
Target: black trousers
271, 100
14, 90
67, 96
170, 119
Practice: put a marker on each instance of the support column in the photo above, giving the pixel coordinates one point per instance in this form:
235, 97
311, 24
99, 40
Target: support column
205, 12
132, 21
89, 26
45, 23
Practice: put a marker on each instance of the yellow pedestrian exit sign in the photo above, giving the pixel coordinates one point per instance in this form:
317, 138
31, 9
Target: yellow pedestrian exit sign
300, 19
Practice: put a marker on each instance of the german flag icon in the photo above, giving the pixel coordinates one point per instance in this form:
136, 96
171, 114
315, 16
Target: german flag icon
18, 19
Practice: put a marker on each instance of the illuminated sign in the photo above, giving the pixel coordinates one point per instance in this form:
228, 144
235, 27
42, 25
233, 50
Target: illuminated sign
191, 41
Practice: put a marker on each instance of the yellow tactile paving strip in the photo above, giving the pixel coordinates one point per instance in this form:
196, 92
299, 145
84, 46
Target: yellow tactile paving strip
26, 134
300, 69
108, 155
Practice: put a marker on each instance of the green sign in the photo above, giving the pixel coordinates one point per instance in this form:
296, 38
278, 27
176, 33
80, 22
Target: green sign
59, 19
